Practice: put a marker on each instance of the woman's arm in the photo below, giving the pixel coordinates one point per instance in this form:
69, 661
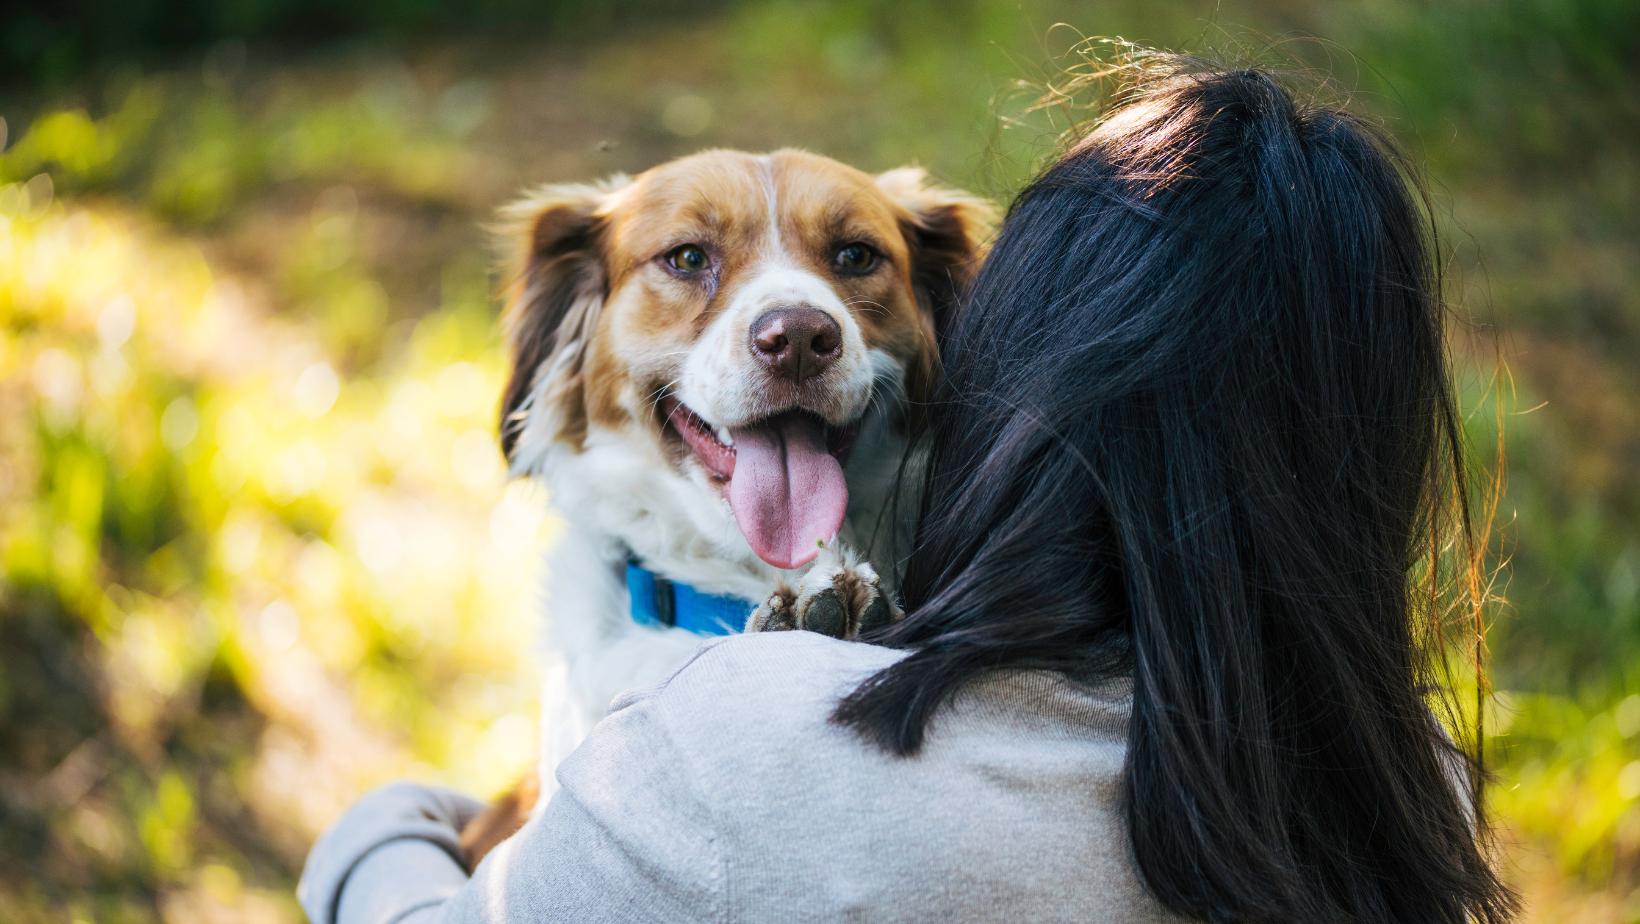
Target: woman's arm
626, 838
396, 850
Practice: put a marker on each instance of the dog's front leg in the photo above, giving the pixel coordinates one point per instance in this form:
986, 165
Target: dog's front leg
840, 596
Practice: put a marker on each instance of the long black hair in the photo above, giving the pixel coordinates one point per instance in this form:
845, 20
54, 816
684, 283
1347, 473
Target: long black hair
1197, 425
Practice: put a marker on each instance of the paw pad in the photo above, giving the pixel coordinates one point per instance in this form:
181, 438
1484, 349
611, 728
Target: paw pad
839, 596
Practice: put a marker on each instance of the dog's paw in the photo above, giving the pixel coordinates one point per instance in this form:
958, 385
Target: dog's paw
840, 596
777, 613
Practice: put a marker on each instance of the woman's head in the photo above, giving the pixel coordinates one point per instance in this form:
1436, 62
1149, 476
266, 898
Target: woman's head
1197, 425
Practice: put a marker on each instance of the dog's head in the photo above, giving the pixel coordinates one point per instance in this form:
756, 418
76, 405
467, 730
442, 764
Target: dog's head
734, 318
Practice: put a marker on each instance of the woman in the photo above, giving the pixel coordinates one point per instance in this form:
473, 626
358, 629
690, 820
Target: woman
1163, 658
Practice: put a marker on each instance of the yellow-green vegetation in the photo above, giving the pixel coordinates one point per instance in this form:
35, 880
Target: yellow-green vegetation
248, 570
259, 549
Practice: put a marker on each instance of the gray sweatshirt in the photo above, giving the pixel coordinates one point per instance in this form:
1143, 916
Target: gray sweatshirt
724, 794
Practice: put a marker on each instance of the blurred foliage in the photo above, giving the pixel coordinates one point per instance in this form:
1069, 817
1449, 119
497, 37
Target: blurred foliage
53, 44
259, 552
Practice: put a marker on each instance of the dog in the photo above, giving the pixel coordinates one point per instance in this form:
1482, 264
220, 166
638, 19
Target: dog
714, 367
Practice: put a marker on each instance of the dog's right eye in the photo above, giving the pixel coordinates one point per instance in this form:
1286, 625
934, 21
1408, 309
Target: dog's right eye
688, 259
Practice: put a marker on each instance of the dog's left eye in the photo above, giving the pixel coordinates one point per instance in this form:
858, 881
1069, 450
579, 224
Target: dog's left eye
856, 258
688, 259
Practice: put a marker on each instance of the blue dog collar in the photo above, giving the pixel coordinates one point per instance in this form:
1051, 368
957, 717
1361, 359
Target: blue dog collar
657, 601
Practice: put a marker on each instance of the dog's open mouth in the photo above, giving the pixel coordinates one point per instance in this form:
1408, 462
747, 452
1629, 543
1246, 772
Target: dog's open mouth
784, 477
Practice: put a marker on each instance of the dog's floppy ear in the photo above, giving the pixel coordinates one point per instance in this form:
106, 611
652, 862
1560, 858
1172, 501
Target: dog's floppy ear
948, 232
557, 286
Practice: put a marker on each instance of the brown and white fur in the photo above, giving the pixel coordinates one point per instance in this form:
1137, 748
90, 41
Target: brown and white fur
608, 327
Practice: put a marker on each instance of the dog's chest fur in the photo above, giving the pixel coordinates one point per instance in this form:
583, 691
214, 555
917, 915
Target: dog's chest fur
616, 506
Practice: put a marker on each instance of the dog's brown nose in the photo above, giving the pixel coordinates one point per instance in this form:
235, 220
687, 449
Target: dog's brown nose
797, 343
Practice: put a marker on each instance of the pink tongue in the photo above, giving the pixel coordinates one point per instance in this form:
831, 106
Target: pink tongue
787, 490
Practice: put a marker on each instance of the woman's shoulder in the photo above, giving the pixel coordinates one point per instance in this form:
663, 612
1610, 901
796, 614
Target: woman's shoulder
786, 685
1012, 803
767, 677
762, 705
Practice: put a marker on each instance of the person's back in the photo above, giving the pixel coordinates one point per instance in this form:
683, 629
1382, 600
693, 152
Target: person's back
726, 793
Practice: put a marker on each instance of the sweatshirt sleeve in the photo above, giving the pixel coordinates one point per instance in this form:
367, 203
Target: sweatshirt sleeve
626, 838
396, 849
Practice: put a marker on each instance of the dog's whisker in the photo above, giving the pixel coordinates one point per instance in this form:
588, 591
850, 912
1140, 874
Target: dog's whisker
866, 301
661, 391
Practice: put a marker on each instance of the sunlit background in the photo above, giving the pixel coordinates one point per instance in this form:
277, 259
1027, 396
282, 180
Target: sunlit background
259, 551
